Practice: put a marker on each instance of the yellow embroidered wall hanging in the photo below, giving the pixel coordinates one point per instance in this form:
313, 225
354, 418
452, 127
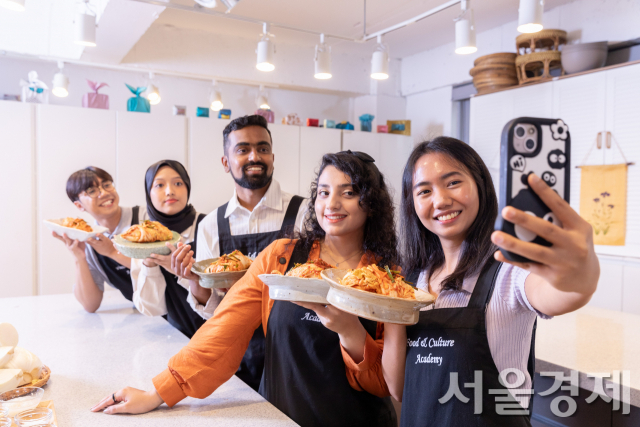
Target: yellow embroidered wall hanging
603, 202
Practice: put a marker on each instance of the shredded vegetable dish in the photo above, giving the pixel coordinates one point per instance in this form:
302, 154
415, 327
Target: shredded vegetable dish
308, 270
235, 261
379, 280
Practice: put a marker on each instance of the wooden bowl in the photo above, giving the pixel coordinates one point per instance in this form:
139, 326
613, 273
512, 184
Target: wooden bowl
46, 374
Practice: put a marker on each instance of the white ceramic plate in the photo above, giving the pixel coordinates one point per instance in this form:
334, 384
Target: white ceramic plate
286, 288
221, 280
143, 250
73, 233
380, 308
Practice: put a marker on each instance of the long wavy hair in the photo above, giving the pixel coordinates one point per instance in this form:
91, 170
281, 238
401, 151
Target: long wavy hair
374, 198
421, 249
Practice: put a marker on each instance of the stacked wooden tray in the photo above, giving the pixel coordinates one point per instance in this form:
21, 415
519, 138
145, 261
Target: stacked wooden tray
494, 72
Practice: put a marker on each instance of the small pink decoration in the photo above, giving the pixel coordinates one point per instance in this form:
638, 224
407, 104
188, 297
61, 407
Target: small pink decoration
267, 114
383, 129
95, 99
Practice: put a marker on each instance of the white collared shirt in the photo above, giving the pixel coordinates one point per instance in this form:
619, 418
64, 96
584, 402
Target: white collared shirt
267, 216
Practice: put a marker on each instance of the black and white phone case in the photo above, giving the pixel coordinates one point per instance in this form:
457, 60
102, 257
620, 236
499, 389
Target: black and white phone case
531, 145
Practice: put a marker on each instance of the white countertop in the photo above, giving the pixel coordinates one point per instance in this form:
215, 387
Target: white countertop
591, 341
94, 355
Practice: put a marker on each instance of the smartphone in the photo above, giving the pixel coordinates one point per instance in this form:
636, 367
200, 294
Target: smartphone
532, 145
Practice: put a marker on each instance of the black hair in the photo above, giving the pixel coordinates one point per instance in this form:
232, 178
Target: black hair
241, 123
375, 199
421, 249
83, 179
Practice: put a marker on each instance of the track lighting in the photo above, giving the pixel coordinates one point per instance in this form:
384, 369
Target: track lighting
16, 5
85, 24
60, 83
530, 16
322, 60
261, 101
465, 30
215, 98
266, 50
380, 62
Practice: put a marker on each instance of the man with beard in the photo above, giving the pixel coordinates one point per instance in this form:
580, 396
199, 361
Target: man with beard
258, 213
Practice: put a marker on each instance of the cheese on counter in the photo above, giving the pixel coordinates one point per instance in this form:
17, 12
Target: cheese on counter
8, 335
9, 379
26, 361
6, 353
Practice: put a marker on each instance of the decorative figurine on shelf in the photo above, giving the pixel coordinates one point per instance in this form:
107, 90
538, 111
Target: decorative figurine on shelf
292, 119
95, 99
401, 127
345, 125
34, 90
329, 124
179, 110
383, 129
366, 120
202, 111
224, 114
313, 123
267, 114
138, 103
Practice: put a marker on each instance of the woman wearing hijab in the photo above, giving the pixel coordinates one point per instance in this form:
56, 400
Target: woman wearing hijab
156, 289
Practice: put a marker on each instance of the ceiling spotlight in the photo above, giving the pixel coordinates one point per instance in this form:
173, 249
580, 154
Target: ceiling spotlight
215, 98
266, 50
209, 4
465, 30
530, 16
153, 93
16, 5
85, 24
322, 60
380, 61
60, 83
230, 4
261, 101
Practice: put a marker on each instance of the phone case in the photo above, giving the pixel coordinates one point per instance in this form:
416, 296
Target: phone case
545, 151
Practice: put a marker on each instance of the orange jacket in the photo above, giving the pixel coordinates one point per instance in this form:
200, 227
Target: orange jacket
214, 353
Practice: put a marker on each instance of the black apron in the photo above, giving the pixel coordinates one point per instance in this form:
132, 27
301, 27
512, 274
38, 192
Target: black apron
427, 378
250, 370
179, 313
304, 373
119, 276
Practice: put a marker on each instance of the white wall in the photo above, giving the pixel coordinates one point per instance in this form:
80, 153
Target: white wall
430, 113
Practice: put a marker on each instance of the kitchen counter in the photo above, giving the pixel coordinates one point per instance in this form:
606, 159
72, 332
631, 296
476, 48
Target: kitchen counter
591, 341
94, 355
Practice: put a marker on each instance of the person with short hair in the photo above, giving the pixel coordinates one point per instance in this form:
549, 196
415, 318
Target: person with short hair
97, 261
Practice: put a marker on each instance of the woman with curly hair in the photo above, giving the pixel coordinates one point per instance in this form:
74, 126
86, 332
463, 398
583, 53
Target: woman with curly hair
314, 370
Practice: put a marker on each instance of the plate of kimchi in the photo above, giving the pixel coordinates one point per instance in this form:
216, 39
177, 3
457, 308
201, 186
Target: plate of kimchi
376, 293
142, 240
74, 228
222, 272
302, 283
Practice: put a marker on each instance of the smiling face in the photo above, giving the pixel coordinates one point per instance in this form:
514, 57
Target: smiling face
104, 204
248, 157
337, 205
445, 197
168, 193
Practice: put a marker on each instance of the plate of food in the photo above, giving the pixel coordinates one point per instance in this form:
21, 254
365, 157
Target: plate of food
302, 283
376, 293
74, 228
222, 272
142, 240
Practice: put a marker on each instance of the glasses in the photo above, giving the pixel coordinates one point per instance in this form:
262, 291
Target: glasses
359, 154
106, 186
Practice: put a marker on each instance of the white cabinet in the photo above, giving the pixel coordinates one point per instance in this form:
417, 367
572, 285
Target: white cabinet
68, 139
211, 186
143, 139
314, 143
286, 150
17, 215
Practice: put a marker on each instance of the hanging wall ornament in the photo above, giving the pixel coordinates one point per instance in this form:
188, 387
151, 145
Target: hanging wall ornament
94, 99
34, 90
138, 103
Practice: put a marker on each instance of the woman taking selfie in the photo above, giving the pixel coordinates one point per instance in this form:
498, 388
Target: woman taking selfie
483, 320
156, 289
313, 373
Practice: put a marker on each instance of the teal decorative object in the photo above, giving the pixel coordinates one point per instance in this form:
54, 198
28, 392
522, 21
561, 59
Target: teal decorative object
138, 103
345, 126
366, 121
329, 124
202, 112
397, 127
224, 114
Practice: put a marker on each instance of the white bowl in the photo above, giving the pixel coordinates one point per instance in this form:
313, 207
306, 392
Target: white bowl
577, 58
73, 233
143, 250
286, 288
222, 280
20, 399
380, 308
